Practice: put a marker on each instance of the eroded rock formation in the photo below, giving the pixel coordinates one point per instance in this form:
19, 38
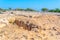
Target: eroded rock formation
27, 25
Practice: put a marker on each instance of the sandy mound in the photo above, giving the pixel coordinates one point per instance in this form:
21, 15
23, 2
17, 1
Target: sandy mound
30, 27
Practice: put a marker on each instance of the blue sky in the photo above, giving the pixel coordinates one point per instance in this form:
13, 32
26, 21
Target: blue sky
35, 4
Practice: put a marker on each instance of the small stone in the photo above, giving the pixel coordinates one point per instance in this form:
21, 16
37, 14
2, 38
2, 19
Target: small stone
54, 29
2, 25
32, 38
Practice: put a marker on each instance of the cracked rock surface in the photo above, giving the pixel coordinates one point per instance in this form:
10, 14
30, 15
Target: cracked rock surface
33, 27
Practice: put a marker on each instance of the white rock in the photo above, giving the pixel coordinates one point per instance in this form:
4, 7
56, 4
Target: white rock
2, 25
4, 20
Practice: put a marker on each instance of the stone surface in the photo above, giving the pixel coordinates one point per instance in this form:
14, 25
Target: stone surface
37, 27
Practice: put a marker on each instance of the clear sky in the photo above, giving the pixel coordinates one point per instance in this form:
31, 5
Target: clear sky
35, 4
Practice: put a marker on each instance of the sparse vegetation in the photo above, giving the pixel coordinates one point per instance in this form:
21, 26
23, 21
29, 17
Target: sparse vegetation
17, 9
51, 10
30, 9
44, 9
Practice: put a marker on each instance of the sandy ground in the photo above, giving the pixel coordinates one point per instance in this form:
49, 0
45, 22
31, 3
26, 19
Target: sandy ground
29, 26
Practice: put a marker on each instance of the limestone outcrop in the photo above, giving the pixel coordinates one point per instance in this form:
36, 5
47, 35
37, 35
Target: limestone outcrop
31, 27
